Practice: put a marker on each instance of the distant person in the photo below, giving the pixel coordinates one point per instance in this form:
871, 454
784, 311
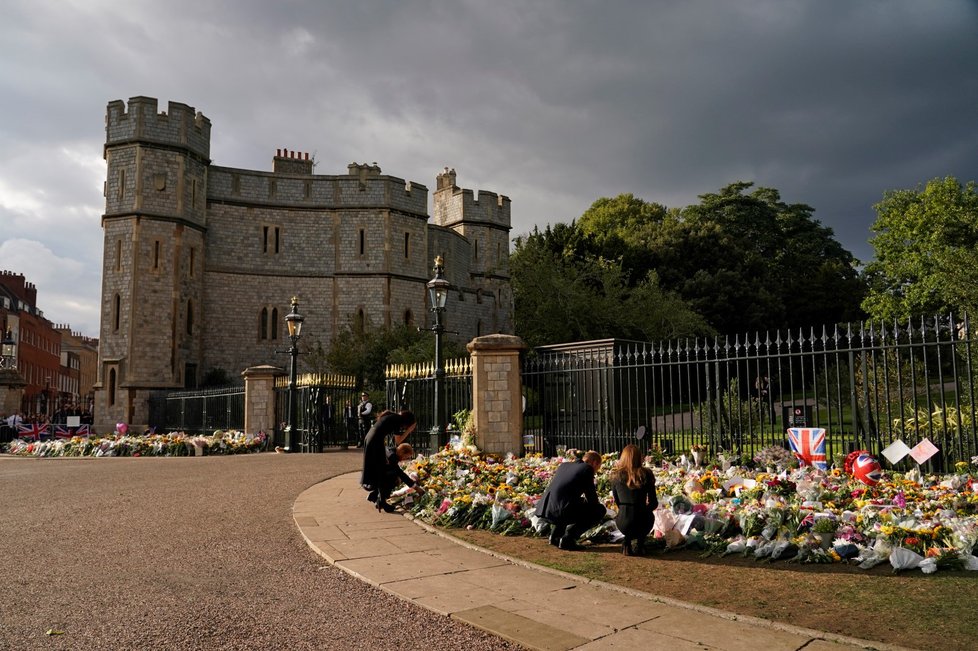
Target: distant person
350, 420
364, 416
633, 488
326, 420
570, 503
379, 475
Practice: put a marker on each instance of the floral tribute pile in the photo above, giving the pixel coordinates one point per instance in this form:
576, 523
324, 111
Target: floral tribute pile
174, 444
768, 509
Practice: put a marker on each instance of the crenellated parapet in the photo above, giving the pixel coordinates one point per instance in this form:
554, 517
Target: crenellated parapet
455, 205
363, 187
179, 126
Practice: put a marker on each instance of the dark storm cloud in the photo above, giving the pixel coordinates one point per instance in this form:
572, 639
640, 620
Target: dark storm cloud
553, 103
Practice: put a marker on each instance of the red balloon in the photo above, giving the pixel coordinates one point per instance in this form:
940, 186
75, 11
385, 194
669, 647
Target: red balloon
867, 469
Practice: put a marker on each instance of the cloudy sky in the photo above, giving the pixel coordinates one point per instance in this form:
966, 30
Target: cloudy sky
553, 103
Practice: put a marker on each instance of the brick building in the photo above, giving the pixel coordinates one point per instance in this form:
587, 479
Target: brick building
200, 261
38, 344
79, 355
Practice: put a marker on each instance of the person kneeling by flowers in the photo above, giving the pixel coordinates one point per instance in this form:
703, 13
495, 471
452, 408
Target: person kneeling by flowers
633, 487
381, 469
570, 502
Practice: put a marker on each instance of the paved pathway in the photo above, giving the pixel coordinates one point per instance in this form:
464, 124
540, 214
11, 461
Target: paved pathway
536, 607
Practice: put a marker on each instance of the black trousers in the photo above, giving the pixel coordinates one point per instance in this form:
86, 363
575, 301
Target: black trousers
586, 516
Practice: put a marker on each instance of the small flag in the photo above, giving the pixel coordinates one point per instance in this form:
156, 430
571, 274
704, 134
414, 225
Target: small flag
33, 431
808, 444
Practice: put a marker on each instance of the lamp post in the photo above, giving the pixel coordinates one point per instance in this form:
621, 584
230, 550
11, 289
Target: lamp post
294, 323
438, 295
8, 351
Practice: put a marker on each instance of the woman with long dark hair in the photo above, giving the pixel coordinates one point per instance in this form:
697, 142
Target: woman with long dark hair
633, 487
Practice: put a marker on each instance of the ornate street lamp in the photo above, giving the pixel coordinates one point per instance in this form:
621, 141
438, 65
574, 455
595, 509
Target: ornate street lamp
294, 323
8, 351
438, 294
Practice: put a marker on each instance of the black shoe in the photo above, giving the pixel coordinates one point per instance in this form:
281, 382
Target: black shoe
569, 545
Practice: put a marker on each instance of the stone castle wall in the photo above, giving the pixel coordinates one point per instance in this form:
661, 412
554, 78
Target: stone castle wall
189, 244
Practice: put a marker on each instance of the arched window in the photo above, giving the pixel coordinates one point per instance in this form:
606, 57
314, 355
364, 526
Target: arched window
111, 396
116, 310
190, 317
263, 324
274, 323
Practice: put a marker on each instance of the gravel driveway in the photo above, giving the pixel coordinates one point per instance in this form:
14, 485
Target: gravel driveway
187, 553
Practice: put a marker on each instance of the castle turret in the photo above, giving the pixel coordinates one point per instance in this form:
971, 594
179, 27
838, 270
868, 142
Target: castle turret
154, 221
483, 218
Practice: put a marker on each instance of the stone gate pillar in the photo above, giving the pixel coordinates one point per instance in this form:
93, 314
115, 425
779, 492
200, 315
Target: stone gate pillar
497, 393
260, 398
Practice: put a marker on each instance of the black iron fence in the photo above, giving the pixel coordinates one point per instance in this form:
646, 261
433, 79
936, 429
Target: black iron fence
868, 385
201, 411
325, 412
412, 386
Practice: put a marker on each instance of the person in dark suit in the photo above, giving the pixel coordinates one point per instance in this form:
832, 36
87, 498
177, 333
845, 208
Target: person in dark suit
570, 503
326, 420
378, 476
633, 487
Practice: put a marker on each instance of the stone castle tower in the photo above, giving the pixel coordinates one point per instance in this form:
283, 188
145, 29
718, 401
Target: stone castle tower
200, 261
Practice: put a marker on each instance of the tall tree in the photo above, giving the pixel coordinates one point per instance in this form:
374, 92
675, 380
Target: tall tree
562, 294
925, 251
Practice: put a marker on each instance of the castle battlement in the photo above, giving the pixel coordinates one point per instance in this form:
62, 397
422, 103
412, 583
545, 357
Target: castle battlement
180, 125
454, 205
362, 187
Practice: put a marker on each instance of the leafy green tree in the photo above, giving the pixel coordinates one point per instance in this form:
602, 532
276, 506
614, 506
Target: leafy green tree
925, 245
365, 351
562, 295
742, 258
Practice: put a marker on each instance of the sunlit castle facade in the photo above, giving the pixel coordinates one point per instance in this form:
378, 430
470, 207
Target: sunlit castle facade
200, 261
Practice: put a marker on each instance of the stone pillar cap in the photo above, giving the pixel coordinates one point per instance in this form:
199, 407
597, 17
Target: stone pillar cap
496, 342
264, 369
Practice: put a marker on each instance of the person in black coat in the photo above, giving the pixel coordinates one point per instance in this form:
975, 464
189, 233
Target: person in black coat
570, 502
379, 476
633, 488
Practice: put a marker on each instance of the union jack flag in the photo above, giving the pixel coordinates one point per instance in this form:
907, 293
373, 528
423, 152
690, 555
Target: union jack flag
32, 431
808, 444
